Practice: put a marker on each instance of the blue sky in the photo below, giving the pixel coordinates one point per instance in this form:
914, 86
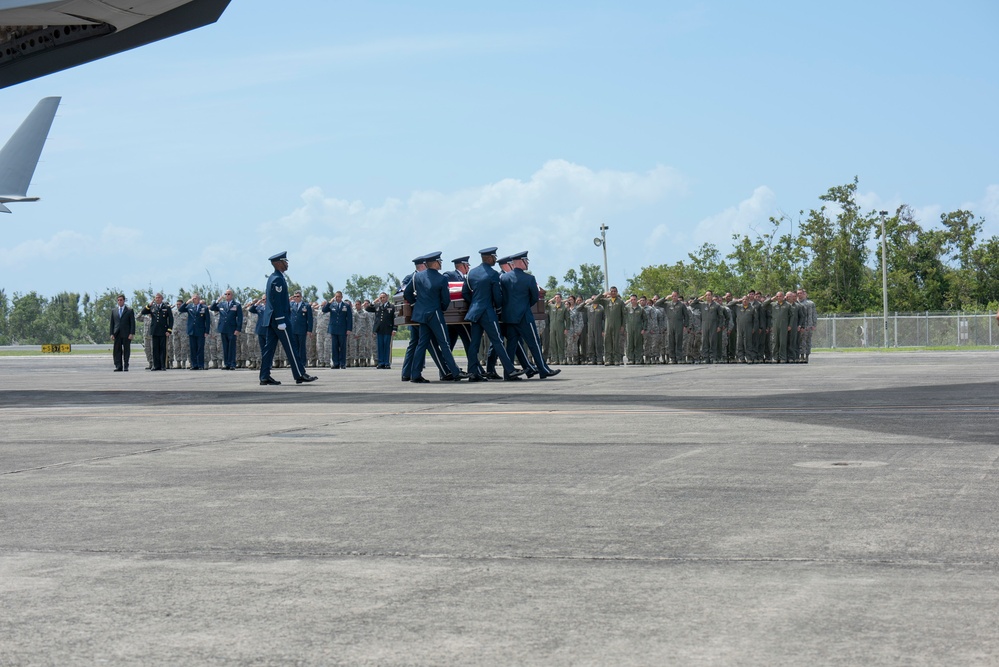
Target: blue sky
357, 137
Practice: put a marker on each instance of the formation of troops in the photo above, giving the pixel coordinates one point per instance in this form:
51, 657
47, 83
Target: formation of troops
603, 329
606, 329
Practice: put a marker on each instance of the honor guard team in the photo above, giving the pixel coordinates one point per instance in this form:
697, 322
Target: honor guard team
602, 329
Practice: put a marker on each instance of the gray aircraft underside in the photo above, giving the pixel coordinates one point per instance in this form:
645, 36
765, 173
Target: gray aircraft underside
20, 154
39, 37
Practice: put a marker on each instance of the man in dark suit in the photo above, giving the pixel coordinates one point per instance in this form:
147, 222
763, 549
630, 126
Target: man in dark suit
341, 323
430, 296
277, 310
230, 325
384, 328
122, 332
483, 293
199, 326
520, 292
160, 326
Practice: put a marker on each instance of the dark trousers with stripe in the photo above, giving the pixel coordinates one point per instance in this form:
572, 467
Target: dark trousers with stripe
197, 351
488, 325
228, 349
525, 332
274, 336
434, 328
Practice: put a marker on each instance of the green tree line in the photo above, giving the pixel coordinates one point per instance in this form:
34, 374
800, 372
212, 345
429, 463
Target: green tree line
833, 251
835, 254
68, 317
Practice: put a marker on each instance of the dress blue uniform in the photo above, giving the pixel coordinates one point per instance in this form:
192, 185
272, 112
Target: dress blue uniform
275, 316
341, 321
261, 331
430, 296
520, 292
230, 321
414, 333
301, 326
483, 293
199, 325
458, 332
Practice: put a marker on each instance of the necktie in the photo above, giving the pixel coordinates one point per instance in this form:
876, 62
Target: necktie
120, 310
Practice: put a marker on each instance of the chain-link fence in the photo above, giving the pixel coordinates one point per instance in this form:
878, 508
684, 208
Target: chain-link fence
907, 330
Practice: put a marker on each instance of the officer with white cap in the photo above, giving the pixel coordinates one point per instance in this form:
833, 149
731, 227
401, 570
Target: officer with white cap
275, 318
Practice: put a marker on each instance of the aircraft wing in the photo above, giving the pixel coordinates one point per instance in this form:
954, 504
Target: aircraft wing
39, 37
19, 156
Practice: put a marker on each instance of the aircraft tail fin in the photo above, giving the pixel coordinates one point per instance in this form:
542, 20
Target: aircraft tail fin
19, 156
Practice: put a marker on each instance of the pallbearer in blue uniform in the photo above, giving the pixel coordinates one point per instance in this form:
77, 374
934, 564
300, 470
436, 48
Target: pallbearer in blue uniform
199, 325
230, 325
458, 332
275, 315
483, 293
414, 331
520, 354
429, 294
520, 292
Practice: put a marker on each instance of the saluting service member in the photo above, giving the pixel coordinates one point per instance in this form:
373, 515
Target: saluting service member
300, 321
341, 323
384, 328
160, 326
230, 325
277, 310
122, 333
199, 324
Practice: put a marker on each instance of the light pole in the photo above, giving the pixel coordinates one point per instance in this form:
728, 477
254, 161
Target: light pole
884, 275
602, 241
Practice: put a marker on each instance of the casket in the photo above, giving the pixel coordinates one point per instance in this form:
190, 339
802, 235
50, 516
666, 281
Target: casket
455, 314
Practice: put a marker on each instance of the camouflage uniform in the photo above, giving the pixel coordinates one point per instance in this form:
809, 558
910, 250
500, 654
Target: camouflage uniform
692, 342
147, 338
311, 343
213, 344
363, 325
810, 321
248, 340
654, 319
323, 342
181, 345
577, 320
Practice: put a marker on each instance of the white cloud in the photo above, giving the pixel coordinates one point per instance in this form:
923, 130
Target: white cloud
988, 208
553, 214
746, 216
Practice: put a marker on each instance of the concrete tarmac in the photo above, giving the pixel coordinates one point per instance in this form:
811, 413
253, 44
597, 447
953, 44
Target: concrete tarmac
837, 513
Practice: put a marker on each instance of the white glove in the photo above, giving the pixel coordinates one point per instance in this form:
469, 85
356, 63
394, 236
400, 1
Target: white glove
282, 327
